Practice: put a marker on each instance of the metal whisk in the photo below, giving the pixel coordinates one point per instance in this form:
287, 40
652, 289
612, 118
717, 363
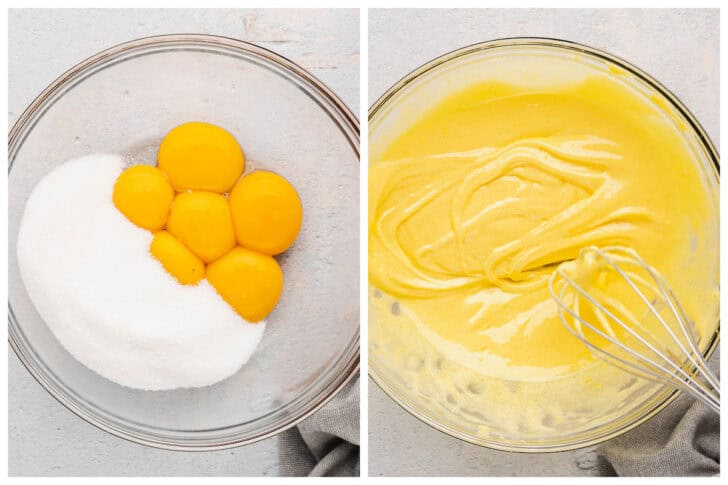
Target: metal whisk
626, 313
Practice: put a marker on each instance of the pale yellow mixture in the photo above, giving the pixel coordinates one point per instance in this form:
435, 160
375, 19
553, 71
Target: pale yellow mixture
474, 204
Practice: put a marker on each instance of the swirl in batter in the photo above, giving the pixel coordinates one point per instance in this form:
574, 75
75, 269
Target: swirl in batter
471, 208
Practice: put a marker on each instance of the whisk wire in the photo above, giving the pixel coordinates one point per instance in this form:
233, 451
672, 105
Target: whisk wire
629, 329
679, 313
652, 309
681, 369
609, 338
653, 376
680, 316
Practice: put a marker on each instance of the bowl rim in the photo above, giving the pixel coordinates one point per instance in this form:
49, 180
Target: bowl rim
664, 396
184, 440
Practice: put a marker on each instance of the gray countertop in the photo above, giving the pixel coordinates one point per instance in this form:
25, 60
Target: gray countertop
43, 437
678, 47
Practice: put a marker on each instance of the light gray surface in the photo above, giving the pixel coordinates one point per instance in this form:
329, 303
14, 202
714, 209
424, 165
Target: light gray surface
401, 445
43, 437
678, 47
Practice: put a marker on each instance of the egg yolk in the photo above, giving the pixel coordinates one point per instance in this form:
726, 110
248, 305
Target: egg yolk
197, 231
143, 194
266, 212
202, 222
179, 261
201, 156
248, 281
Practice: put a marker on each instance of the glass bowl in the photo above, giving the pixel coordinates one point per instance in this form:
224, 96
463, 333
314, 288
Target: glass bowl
124, 100
394, 362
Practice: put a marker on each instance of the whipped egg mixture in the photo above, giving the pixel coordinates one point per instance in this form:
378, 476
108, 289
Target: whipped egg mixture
476, 202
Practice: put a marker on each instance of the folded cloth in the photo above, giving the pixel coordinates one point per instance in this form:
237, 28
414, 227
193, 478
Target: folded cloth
682, 440
327, 442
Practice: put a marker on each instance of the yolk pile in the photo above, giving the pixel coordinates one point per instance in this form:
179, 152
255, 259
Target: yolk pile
208, 221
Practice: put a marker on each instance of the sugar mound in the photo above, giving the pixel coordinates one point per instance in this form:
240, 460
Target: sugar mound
92, 279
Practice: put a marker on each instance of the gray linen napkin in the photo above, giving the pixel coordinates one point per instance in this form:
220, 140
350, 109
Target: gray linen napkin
682, 440
327, 442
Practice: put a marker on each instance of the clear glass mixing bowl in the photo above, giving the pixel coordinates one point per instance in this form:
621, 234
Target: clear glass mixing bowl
123, 100
394, 364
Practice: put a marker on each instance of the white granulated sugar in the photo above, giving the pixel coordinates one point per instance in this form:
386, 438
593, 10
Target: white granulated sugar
90, 274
